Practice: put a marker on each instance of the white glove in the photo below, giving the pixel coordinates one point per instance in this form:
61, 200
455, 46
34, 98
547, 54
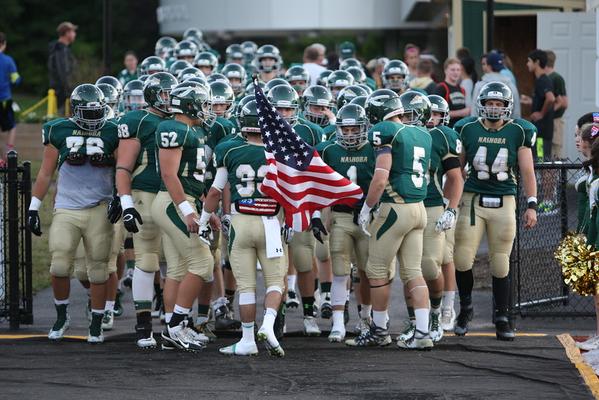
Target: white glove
446, 221
225, 222
364, 218
204, 230
287, 233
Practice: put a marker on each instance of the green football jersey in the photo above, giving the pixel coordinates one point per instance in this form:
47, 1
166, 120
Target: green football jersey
445, 145
411, 152
357, 164
330, 132
172, 134
582, 203
221, 129
77, 145
309, 132
493, 155
141, 125
246, 167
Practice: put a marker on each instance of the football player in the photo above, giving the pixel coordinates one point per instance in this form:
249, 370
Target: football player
186, 50
338, 80
317, 105
235, 54
83, 149
138, 182
298, 78
494, 145
352, 156
206, 62
133, 96
254, 229
267, 62
165, 47
301, 248
394, 76
175, 209
444, 166
399, 184
237, 76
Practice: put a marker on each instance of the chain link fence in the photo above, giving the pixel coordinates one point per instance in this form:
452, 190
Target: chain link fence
538, 288
15, 244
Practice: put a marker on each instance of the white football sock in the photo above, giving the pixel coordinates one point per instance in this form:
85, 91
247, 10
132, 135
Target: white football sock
248, 332
422, 319
109, 306
448, 298
380, 318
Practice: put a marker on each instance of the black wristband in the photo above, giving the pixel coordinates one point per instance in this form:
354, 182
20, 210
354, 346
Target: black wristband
532, 205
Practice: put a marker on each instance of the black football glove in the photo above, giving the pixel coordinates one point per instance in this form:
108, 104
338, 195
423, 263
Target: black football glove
114, 210
33, 222
318, 229
130, 219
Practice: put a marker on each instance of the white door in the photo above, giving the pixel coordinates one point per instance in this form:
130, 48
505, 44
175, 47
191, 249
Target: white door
571, 35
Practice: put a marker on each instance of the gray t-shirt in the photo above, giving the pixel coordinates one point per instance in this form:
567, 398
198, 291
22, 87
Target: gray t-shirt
83, 186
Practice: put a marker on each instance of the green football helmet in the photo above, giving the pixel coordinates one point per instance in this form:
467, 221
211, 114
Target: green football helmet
338, 80
358, 74
298, 78
165, 46
242, 102
348, 93
143, 78
151, 65
439, 105
111, 98
157, 90
217, 77
350, 62
222, 93
365, 87
194, 102
352, 115
394, 75
495, 91
133, 95
234, 54
323, 77
249, 50
88, 107
416, 108
319, 96
382, 104
186, 50
268, 51
198, 79
284, 96
178, 66
249, 89
112, 81
206, 59
193, 34
189, 72
248, 118
360, 100
237, 76
274, 82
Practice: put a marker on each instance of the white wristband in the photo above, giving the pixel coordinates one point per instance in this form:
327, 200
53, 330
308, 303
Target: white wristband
185, 208
205, 217
365, 208
35, 204
126, 201
532, 198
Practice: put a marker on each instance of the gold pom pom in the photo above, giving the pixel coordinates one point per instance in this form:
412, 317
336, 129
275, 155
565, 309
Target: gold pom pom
580, 264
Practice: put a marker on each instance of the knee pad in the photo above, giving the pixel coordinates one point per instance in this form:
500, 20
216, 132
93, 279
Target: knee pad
463, 259
148, 262
377, 271
499, 264
430, 268
60, 265
97, 272
81, 274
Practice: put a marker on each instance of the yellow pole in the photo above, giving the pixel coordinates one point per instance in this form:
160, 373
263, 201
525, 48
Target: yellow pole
52, 106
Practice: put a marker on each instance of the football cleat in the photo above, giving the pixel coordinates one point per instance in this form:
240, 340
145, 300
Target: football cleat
408, 330
204, 329
95, 329
240, 348
503, 330
108, 320
447, 319
326, 309
435, 329
179, 337
280, 327
128, 279
337, 336
418, 341
591, 343
363, 325
145, 336
375, 336
272, 346
223, 319
292, 300
61, 325
464, 317
158, 306
311, 327
94, 339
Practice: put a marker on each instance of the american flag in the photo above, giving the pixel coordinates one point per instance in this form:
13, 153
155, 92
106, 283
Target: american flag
297, 178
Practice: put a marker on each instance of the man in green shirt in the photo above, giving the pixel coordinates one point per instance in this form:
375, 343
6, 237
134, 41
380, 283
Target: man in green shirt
559, 107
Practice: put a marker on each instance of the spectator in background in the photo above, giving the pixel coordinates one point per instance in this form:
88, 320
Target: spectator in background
424, 80
469, 76
491, 74
560, 106
347, 50
411, 56
130, 71
332, 61
452, 92
542, 102
498, 60
8, 77
314, 60
61, 63
375, 68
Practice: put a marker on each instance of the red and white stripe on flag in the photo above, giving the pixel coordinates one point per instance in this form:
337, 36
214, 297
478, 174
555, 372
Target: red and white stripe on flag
303, 192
